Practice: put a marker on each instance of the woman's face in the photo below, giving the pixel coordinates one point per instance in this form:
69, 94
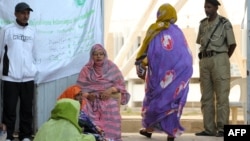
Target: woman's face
98, 56
78, 97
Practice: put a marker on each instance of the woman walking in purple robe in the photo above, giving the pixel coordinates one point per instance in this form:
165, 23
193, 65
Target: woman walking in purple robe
164, 61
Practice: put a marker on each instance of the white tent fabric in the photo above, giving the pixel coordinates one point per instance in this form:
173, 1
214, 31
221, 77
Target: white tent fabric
66, 30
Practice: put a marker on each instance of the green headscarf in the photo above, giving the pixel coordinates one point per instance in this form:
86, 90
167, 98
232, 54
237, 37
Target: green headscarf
68, 109
166, 15
63, 124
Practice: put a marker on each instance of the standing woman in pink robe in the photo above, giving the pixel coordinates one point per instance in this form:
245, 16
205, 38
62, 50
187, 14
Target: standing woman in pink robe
104, 88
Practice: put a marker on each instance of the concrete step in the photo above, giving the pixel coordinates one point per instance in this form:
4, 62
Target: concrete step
191, 120
192, 124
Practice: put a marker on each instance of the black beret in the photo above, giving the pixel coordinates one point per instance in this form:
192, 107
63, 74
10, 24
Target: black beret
213, 2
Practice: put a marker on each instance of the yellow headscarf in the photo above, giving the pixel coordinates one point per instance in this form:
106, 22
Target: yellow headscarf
166, 15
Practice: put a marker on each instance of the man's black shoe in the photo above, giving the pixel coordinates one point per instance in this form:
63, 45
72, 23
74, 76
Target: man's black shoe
145, 133
203, 133
220, 134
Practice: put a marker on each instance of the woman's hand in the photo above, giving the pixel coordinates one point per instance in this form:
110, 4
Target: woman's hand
100, 131
141, 71
89, 96
106, 94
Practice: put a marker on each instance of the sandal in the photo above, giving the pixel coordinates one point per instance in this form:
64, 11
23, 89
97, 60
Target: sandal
145, 133
170, 138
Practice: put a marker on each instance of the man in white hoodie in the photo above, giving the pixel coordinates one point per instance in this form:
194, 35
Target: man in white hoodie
18, 72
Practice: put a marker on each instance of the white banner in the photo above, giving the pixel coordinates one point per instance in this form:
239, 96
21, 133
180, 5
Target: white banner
66, 30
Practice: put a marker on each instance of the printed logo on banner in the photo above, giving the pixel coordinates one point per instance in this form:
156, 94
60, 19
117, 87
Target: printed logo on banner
80, 2
241, 132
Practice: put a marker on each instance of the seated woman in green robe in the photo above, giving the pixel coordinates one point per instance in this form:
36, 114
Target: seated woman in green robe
63, 124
